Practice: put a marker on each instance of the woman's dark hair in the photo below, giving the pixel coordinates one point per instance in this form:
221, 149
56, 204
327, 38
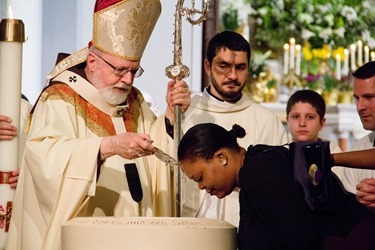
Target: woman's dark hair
227, 39
307, 96
203, 140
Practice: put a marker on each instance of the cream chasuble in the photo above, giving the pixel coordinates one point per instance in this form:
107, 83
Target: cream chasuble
58, 179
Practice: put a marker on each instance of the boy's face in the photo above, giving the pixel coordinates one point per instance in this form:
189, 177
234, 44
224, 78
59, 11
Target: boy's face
304, 122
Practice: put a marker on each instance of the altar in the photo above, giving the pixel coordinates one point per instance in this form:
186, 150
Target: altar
343, 125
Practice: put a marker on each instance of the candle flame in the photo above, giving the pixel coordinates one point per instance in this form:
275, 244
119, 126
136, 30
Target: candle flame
10, 12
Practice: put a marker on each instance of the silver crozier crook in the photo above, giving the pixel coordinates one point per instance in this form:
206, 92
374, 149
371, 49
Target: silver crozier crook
179, 71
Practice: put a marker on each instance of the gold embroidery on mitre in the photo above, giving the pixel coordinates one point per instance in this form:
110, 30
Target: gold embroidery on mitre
124, 29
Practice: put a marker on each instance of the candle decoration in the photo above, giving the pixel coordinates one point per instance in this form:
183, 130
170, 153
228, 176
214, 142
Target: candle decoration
292, 64
359, 49
352, 57
292, 52
345, 70
11, 39
367, 54
338, 67
298, 59
286, 58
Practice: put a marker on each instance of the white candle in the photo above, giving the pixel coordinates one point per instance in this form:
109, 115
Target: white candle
367, 54
346, 62
359, 49
352, 57
292, 52
338, 67
286, 58
11, 39
372, 56
298, 59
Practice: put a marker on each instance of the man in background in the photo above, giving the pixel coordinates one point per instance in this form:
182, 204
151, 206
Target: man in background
361, 181
224, 103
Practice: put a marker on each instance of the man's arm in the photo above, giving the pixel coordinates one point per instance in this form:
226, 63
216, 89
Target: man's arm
364, 159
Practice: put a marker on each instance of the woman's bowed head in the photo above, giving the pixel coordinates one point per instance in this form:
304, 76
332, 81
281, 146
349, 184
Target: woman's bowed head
211, 156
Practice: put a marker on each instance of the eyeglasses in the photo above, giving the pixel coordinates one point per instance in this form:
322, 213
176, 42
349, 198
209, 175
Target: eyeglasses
123, 71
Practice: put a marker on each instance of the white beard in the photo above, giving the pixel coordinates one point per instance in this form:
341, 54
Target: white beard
110, 94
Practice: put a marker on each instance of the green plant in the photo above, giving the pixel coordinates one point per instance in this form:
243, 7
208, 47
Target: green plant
230, 19
319, 22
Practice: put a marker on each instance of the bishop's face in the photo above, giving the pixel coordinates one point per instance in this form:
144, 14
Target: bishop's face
228, 73
114, 88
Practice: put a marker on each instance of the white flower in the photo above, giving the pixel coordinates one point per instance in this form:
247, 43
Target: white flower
279, 4
305, 18
340, 32
366, 37
367, 5
324, 8
325, 34
349, 13
307, 34
329, 18
263, 11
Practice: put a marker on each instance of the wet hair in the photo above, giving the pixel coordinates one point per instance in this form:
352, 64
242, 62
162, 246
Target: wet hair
366, 71
307, 96
203, 140
227, 39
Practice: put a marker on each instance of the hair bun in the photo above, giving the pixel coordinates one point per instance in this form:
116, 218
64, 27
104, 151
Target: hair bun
237, 131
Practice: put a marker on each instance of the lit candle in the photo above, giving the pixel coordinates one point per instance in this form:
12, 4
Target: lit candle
292, 52
338, 67
346, 62
367, 54
372, 56
286, 58
352, 57
360, 62
298, 59
11, 38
